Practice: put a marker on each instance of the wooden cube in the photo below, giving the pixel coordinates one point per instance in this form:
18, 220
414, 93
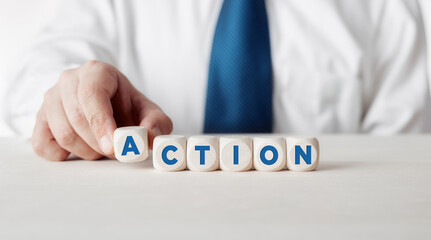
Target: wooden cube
302, 153
202, 153
236, 153
169, 153
131, 144
269, 153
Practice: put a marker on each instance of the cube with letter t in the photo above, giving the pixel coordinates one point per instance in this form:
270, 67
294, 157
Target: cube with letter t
202, 153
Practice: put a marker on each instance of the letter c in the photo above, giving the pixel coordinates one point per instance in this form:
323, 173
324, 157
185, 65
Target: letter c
165, 155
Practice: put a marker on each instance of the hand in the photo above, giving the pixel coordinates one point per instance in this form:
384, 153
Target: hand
80, 113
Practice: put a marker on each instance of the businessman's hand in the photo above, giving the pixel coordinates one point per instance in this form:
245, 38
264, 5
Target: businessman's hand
80, 113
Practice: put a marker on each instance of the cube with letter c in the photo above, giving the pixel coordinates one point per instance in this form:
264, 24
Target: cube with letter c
169, 153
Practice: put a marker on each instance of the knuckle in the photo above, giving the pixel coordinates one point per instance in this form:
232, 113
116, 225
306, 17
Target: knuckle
94, 156
43, 150
66, 138
94, 76
37, 145
150, 123
58, 156
104, 68
39, 115
166, 125
97, 66
65, 75
96, 122
91, 64
166, 120
97, 70
85, 92
76, 116
48, 96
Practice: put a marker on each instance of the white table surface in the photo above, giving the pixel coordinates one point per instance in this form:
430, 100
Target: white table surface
364, 188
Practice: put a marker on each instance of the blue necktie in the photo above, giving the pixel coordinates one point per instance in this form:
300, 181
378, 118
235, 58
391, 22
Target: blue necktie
239, 94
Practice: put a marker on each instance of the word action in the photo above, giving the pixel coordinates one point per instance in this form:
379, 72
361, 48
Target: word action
209, 153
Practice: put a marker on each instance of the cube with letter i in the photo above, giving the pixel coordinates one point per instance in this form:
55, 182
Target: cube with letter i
169, 153
236, 153
269, 153
302, 153
202, 153
131, 144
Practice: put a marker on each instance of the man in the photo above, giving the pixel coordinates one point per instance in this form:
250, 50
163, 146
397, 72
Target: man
306, 67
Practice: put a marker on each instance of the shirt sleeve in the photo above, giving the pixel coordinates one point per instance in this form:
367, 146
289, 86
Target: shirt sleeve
82, 31
396, 88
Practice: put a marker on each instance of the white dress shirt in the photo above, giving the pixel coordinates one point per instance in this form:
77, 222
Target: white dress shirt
339, 66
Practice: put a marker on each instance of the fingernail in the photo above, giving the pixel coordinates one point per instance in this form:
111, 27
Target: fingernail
106, 144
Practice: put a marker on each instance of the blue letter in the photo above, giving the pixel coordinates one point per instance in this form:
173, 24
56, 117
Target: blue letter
274, 155
130, 146
165, 155
299, 152
202, 149
235, 155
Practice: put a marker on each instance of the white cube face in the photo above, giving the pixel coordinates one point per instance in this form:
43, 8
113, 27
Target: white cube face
302, 153
131, 144
269, 154
202, 153
236, 154
169, 153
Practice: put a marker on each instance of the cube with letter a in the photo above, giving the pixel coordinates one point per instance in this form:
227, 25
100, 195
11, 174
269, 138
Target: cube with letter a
131, 144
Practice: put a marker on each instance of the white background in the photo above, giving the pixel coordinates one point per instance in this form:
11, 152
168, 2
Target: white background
21, 20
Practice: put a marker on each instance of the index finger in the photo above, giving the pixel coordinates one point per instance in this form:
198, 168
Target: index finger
97, 84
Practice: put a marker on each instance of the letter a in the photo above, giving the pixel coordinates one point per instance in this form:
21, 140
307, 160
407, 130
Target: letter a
130, 146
